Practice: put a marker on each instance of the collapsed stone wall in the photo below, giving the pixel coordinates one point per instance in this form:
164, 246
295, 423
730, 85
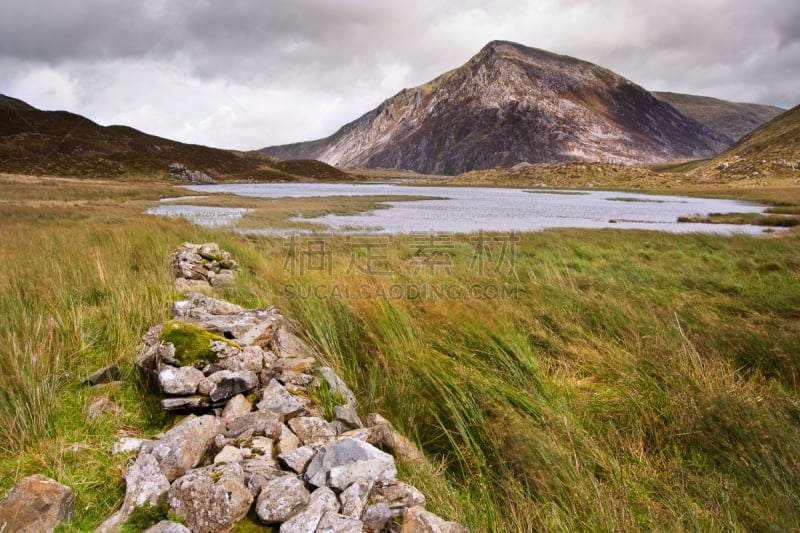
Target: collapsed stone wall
268, 430
201, 267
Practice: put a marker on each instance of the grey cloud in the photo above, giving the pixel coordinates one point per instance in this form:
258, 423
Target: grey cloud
54, 31
345, 56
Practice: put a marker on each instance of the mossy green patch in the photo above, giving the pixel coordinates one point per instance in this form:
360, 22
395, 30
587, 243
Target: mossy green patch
251, 523
327, 399
144, 517
192, 344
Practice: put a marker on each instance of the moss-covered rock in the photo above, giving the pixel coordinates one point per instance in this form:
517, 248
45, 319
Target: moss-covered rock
145, 516
193, 345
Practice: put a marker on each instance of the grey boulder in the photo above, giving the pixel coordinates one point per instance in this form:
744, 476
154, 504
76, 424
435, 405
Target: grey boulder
211, 499
346, 461
183, 446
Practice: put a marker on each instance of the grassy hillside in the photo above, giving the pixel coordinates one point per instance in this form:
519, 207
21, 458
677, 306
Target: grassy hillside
588, 381
61, 143
572, 175
731, 119
773, 150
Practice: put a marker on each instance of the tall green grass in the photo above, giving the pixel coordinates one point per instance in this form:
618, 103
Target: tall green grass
638, 381
630, 381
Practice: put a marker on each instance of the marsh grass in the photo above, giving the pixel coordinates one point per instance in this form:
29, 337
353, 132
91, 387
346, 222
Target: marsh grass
778, 220
784, 210
630, 381
637, 381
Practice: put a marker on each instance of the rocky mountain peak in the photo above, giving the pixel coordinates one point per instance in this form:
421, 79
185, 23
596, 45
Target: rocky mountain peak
511, 104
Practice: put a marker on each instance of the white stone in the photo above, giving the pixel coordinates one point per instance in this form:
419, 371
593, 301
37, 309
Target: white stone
280, 499
297, 460
183, 446
145, 486
332, 522
307, 520
312, 431
181, 381
238, 405
276, 399
345, 461
211, 499
287, 441
229, 454
355, 497
126, 445
167, 526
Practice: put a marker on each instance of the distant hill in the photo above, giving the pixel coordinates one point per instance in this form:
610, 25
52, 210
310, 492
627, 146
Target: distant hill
771, 150
61, 143
512, 104
732, 119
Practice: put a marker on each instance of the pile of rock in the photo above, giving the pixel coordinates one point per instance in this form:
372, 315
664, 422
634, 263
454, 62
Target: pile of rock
202, 266
180, 172
258, 436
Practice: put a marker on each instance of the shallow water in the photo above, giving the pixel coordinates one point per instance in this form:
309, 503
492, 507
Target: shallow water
471, 209
210, 217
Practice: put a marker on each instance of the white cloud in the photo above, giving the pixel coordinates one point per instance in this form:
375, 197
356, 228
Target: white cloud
46, 87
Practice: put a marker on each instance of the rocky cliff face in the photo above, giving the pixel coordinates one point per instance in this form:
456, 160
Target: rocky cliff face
511, 104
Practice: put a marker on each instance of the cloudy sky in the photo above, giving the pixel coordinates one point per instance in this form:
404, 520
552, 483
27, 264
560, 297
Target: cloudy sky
245, 74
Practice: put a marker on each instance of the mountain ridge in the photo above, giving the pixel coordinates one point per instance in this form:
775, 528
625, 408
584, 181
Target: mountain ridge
772, 149
732, 119
511, 104
33, 141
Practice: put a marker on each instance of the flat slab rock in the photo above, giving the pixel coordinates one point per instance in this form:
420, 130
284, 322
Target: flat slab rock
312, 431
281, 498
344, 462
183, 446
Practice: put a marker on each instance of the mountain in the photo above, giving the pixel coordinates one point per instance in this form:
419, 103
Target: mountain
511, 104
732, 119
771, 150
61, 143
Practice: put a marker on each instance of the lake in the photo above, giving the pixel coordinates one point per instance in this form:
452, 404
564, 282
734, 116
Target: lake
471, 209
